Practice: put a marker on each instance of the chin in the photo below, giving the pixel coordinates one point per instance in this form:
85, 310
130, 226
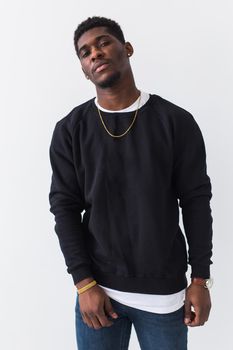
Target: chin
109, 81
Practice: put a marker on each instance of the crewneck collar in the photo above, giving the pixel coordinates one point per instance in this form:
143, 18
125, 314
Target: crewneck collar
144, 98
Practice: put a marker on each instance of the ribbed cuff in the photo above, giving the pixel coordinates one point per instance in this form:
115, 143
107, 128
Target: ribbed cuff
81, 273
202, 271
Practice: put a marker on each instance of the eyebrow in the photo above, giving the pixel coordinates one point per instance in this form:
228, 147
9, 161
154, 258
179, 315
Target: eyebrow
98, 38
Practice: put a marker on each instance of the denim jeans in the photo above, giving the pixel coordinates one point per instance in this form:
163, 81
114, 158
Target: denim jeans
154, 331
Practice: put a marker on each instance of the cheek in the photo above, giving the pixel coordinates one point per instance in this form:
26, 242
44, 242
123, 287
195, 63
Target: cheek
85, 69
121, 62
120, 57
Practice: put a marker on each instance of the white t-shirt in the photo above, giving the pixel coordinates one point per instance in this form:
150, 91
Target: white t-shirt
148, 302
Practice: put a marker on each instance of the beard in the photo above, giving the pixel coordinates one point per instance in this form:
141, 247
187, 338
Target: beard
110, 81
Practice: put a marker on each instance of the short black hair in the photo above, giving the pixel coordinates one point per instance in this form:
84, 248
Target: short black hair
96, 21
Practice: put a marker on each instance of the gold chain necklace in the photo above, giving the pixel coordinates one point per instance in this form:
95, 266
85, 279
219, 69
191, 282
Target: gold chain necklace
134, 118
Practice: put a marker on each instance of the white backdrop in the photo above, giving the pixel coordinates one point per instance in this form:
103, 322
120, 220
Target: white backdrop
184, 53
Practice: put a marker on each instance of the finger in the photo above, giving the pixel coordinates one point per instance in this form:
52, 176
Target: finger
109, 308
198, 319
94, 321
83, 317
104, 321
187, 312
103, 318
207, 313
202, 315
196, 324
192, 319
87, 321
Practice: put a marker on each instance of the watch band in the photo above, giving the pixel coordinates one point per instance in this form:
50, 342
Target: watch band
204, 282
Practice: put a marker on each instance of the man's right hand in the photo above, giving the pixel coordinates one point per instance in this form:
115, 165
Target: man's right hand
95, 307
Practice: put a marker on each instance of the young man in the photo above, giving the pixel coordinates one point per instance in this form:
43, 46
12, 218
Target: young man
130, 159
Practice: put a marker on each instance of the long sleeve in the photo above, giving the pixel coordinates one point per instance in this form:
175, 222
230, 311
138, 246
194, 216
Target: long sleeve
193, 189
67, 204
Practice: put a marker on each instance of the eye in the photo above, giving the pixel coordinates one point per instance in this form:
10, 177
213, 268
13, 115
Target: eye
104, 43
84, 54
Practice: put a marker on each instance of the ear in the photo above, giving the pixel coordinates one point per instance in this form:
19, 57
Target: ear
129, 49
86, 75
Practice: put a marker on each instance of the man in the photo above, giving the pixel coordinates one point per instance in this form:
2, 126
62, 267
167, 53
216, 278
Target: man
130, 159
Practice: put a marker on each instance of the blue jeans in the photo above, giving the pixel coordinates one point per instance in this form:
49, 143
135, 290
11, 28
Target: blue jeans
154, 331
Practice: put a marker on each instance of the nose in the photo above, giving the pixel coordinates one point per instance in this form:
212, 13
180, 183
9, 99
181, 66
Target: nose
96, 53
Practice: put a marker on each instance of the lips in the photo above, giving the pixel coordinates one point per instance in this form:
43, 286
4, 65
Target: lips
102, 67
98, 67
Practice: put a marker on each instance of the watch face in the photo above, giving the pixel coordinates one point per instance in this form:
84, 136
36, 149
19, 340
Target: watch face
209, 283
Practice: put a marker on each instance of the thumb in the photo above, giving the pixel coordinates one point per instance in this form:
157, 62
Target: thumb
109, 309
187, 311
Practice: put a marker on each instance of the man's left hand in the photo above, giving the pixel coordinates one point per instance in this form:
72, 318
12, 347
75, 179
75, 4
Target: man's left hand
197, 297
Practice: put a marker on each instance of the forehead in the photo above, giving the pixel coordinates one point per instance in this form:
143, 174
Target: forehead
91, 35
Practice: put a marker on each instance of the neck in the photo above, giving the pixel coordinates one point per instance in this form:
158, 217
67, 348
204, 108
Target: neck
118, 97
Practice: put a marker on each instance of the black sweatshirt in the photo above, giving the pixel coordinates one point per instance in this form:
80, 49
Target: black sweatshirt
130, 189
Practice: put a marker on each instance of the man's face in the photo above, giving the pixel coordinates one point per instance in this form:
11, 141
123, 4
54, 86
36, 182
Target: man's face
104, 59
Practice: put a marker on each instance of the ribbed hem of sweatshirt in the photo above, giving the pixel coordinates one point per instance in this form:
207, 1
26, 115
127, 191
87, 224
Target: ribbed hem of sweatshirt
200, 271
148, 285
